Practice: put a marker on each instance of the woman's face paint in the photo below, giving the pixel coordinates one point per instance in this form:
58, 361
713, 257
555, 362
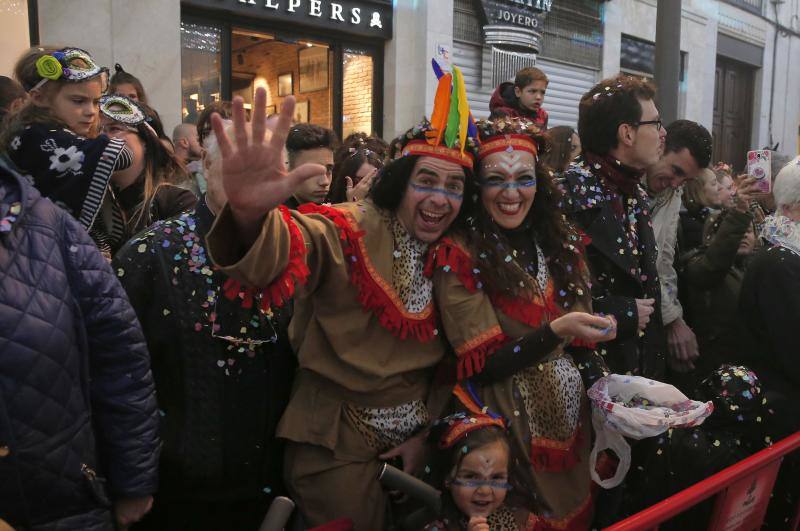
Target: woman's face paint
508, 186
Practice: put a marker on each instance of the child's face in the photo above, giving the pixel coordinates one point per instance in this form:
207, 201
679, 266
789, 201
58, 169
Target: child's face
472, 489
76, 104
532, 96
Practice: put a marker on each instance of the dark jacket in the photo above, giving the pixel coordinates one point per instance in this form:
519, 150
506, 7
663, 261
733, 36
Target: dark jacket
618, 277
220, 401
504, 102
769, 304
77, 405
713, 274
690, 230
168, 201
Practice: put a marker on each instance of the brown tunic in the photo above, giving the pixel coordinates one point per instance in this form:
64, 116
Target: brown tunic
356, 343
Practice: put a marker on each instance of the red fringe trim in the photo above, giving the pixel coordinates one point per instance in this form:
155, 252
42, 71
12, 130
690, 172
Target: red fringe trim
372, 293
282, 288
530, 312
556, 457
582, 343
447, 255
472, 361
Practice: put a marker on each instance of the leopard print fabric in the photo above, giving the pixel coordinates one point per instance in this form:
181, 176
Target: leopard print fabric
557, 417
413, 287
387, 427
501, 520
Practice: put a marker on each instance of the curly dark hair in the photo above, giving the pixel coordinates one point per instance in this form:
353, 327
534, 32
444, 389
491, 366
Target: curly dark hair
357, 149
389, 186
607, 105
547, 225
692, 136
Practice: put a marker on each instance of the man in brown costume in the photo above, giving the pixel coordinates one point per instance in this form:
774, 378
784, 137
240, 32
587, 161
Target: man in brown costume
364, 327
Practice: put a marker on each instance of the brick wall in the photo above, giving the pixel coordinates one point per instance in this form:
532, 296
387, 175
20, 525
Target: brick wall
267, 60
357, 97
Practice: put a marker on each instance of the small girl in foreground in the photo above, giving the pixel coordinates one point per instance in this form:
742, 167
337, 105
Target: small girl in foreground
53, 137
472, 469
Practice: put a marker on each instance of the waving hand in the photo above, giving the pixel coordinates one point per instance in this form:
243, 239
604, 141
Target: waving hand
253, 171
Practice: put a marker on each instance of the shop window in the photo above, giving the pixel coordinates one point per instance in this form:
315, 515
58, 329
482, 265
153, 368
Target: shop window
572, 32
638, 57
200, 68
283, 67
357, 83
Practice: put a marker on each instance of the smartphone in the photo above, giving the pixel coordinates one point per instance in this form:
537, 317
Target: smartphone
759, 165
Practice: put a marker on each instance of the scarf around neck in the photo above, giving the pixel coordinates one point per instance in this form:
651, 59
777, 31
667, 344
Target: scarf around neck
620, 177
780, 230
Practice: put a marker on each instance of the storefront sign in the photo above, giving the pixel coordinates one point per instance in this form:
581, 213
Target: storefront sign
520, 13
362, 17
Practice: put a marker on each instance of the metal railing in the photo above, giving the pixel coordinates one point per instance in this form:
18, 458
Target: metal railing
651, 517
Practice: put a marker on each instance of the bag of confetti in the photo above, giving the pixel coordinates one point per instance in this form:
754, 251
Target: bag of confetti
636, 407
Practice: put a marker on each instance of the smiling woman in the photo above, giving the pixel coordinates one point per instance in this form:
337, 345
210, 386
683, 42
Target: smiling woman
512, 290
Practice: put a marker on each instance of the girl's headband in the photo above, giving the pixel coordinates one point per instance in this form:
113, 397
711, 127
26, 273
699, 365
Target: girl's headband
68, 64
476, 417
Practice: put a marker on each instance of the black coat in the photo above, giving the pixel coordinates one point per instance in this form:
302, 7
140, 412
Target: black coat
77, 405
769, 304
220, 401
618, 277
713, 275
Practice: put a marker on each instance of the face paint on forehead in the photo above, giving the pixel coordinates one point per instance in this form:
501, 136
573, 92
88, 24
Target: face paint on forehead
430, 190
511, 163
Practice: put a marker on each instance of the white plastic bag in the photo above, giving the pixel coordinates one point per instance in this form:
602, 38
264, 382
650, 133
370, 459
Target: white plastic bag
636, 407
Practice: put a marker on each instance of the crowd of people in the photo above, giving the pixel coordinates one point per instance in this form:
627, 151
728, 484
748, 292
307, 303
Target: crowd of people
194, 325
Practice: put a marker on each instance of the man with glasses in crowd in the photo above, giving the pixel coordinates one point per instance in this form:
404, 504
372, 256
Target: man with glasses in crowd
622, 136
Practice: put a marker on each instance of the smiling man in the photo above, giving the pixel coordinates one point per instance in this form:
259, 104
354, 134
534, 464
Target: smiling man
364, 327
687, 150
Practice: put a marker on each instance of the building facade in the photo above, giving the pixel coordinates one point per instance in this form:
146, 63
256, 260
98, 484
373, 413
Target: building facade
364, 65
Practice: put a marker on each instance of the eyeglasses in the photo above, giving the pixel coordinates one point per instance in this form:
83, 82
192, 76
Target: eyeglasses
478, 483
657, 123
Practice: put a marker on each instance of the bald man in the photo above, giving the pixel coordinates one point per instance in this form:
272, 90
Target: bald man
187, 146
189, 151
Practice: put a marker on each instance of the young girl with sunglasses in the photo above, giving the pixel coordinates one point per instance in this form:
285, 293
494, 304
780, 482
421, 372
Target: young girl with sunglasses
472, 467
52, 137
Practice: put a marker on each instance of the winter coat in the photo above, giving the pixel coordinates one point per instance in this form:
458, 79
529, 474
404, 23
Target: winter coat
713, 275
769, 305
618, 276
219, 401
504, 102
78, 422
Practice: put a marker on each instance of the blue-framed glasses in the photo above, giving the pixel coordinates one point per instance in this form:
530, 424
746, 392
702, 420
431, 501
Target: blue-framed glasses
494, 484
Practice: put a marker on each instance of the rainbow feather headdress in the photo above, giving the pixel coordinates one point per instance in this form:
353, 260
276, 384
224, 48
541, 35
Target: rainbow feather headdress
451, 133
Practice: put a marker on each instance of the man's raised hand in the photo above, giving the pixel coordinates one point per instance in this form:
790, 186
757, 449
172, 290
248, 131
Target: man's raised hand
253, 171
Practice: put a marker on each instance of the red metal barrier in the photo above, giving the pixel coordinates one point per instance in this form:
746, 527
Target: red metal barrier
746, 487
